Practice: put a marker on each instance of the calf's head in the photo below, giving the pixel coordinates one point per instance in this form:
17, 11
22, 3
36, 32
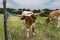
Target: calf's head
48, 20
29, 20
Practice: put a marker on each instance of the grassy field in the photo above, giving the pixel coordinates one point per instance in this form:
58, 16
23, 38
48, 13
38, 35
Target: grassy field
43, 31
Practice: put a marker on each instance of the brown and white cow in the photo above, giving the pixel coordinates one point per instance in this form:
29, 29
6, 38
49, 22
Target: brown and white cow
28, 19
54, 15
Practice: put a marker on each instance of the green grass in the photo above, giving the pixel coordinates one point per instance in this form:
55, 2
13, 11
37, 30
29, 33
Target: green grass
1, 28
43, 31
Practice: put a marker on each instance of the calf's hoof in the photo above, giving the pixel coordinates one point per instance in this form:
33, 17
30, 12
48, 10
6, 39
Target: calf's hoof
33, 34
27, 36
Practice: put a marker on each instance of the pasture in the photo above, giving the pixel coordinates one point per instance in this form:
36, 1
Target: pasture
43, 31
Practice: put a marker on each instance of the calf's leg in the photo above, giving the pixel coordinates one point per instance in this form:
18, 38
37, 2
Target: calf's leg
58, 25
27, 32
33, 26
58, 22
23, 24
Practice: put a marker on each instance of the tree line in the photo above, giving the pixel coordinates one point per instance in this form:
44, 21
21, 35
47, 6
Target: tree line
44, 12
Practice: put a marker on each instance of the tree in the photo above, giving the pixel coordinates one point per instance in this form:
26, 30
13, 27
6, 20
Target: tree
19, 9
24, 9
5, 19
45, 12
34, 11
28, 10
19, 12
1, 10
38, 11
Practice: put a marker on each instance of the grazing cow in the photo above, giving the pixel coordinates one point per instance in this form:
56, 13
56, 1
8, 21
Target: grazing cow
28, 19
54, 15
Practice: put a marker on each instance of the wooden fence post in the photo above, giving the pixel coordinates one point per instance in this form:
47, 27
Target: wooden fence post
5, 19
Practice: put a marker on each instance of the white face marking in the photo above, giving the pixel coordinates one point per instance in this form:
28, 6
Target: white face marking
27, 13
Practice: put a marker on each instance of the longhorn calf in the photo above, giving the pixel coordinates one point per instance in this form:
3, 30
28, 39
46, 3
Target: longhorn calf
54, 15
28, 19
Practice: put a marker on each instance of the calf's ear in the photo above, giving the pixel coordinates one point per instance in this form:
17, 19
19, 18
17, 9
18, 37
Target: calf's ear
23, 17
33, 16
